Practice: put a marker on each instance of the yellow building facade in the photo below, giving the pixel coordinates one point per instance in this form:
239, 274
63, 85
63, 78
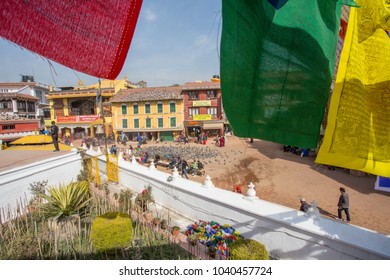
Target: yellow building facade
155, 113
77, 112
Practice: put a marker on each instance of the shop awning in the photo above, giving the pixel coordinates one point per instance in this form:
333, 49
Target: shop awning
212, 125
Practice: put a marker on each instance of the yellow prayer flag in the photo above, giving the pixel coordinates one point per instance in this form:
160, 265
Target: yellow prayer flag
358, 132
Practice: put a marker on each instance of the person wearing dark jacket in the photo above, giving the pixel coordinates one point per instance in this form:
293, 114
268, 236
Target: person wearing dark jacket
304, 205
54, 135
184, 167
343, 204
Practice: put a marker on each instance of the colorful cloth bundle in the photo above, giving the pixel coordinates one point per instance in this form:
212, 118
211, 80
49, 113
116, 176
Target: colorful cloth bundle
213, 234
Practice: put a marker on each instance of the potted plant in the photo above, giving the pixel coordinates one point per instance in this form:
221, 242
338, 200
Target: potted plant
163, 224
156, 221
148, 216
175, 231
193, 239
144, 198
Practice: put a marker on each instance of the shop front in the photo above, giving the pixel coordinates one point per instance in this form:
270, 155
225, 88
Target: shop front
193, 128
212, 127
167, 135
76, 127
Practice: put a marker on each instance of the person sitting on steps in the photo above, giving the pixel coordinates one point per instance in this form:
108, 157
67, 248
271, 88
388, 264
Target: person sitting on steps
194, 168
304, 205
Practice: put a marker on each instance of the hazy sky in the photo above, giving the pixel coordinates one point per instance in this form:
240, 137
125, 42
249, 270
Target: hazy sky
175, 41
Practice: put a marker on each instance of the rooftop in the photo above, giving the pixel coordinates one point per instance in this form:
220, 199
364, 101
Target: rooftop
201, 85
18, 96
10, 159
29, 149
147, 94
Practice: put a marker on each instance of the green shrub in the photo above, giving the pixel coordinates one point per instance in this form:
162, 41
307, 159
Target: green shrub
66, 201
110, 231
248, 249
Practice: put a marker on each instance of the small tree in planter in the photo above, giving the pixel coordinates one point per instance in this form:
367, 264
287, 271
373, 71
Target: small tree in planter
144, 198
37, 189
125, 200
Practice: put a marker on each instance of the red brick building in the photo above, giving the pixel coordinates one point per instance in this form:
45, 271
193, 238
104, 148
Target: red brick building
203, 110
14, 129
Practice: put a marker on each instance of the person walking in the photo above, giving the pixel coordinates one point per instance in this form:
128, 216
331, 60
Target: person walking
139, 139
184, 167
54, 136
343, 205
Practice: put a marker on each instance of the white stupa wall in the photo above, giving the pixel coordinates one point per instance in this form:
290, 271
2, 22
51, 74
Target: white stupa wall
15, 183
286, 232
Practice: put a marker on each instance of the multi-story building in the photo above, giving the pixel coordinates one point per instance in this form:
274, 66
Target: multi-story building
28, 86
203, 110
77, 111
17, 116
152, 112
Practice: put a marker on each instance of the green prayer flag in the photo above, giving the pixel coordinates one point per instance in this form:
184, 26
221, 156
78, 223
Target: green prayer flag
277, 3
277, 67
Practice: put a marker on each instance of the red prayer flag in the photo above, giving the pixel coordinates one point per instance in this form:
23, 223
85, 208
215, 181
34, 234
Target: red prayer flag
90, 36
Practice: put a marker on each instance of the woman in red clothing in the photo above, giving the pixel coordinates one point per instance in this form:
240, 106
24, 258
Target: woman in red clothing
221, 141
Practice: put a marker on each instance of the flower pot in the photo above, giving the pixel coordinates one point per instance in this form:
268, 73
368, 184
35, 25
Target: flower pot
31, 208
192, 241
156, 221
148, 216
175, 231
163, 224
212, 251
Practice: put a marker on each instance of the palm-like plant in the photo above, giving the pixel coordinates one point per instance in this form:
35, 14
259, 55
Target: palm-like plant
66, 201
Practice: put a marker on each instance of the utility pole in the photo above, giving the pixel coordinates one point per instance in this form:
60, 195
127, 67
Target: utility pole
99, 98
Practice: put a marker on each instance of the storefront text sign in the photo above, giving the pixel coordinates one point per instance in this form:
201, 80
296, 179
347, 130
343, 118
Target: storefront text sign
202, 117
88, 118
66, 119
85, 118
201, 103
